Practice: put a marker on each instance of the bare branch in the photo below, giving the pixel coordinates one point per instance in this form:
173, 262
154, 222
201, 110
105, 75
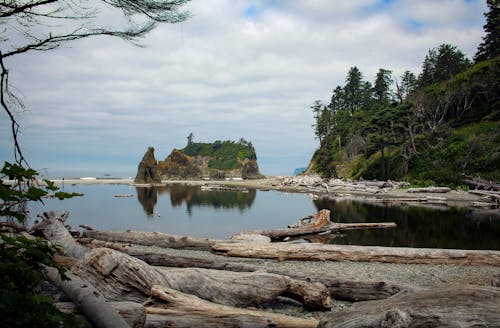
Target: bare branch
18, 153
22, 8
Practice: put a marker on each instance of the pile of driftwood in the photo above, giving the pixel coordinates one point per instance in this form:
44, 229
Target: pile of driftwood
315, 183
116, 283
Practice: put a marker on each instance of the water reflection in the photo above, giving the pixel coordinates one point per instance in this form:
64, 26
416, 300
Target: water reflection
195, 196
454, 227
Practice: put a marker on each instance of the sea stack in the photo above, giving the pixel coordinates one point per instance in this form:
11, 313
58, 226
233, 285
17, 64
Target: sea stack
148, 170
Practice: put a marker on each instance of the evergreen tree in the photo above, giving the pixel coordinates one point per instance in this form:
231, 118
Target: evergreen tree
490, 47
353, 89
442, 64
382, 87
407, 86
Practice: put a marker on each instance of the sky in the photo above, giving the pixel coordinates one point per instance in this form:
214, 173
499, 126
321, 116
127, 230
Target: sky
235, 68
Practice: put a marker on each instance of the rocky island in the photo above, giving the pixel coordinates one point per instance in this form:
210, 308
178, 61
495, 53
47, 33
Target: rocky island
218, 160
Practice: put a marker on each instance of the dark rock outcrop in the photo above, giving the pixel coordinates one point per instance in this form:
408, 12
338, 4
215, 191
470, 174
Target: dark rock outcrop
250, 170
148, 170
179, 166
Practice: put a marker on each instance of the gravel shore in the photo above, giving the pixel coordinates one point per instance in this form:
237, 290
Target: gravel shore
415, 274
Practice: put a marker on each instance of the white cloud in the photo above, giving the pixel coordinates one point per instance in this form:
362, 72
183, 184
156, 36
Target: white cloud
236, 68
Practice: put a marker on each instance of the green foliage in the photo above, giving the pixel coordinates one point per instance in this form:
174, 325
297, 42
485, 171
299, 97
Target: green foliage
472, 150
224, 155
420, 132
22, 258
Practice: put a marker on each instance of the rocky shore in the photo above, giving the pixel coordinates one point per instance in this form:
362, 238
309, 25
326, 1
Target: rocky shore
367, 191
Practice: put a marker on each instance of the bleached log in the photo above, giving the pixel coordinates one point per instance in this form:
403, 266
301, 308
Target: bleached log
182, 310
53, 229
490, 194
439, 190
90, 302
341, 289
152, 239
121, 277
318, 223
133, 313
321, 252
456, 306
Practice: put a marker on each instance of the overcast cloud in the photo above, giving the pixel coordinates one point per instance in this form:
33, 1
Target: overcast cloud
235, 69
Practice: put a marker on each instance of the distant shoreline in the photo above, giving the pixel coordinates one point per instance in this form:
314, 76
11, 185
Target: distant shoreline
395, 196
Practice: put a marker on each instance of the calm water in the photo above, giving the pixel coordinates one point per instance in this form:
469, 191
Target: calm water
187, 210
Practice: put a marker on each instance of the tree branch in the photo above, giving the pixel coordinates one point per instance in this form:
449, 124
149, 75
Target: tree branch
20, 9
18, 154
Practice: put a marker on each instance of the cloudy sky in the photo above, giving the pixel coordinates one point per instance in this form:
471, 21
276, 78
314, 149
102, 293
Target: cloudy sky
236, 68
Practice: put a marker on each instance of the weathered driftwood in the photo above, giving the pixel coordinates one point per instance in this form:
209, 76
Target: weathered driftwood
152, 239
341, 289
182, 310
90, 302
478, 183
318, 223
133, 313
53, 229
463, 306
319, 252
492, 195
439, 190
122, 277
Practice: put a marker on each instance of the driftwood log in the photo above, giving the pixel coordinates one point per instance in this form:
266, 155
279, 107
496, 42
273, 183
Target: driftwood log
322, 252
439, 190
122, 277
458, 306
177, 309
478, 183
153, 239
90, 302
53, 229
318, 223
340, 289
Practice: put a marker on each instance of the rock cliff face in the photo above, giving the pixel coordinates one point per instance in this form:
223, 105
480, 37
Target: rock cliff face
178, 165
148, 170
217, 161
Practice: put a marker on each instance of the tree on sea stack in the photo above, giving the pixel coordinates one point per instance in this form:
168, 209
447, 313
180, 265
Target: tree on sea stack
43, 25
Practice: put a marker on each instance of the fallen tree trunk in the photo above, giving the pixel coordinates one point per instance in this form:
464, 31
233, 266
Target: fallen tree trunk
340, 289
182, 310
121, 277
331, 227
439, 190
492, 195
440, 307
90, 302
478, 183
318, 223
152, 239
322, 252
53, 229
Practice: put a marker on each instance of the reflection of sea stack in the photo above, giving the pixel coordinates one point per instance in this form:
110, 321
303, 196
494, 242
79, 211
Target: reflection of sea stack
148, 170
148, 198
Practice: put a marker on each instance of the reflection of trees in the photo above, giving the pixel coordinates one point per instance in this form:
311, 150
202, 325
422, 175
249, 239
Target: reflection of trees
222, 199
416, 226
147, 196
193, 196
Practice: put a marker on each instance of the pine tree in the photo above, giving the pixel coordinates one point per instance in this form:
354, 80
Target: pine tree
490, 47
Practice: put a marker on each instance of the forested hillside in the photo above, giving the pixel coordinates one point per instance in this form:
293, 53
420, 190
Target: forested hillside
436, 127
